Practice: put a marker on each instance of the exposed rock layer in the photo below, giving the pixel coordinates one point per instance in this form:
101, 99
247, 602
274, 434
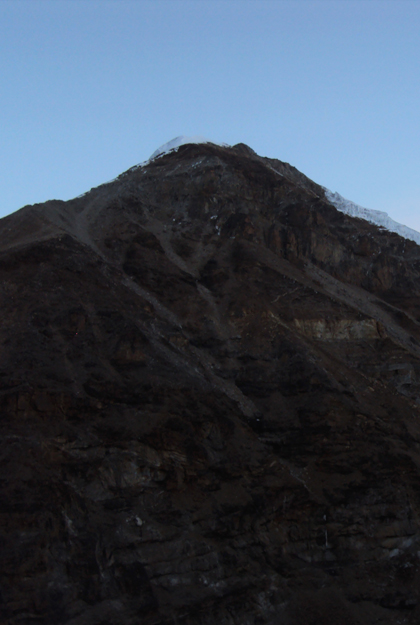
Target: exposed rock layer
209, 403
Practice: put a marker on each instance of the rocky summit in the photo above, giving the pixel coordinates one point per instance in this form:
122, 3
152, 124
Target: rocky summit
210, 403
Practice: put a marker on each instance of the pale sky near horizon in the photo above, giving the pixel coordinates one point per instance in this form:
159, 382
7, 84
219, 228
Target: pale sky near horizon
89, 88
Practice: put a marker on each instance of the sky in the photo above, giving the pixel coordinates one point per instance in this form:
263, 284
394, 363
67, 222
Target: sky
89, 88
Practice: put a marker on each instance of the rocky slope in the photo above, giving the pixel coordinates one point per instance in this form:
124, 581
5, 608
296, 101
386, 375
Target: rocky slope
210, 403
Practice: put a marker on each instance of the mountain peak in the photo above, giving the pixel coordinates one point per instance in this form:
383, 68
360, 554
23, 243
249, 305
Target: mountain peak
209, 392
174, 144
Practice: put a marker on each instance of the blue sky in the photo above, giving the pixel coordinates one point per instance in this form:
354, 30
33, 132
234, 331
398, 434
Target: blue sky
89, 88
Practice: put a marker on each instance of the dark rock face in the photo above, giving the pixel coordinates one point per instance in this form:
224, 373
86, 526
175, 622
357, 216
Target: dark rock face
210, 404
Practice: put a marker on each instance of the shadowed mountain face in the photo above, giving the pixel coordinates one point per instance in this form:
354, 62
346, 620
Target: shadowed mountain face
210, 404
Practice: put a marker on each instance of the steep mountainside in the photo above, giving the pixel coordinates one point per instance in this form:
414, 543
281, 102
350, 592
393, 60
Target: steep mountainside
210, 403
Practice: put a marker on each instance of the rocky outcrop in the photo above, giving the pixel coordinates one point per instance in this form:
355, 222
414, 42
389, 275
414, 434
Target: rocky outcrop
209, 403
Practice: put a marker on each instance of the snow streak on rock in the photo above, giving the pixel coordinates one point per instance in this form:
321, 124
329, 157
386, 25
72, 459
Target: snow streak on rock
379, 218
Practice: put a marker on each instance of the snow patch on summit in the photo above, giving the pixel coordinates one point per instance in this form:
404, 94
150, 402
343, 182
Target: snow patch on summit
379, 218
174, 144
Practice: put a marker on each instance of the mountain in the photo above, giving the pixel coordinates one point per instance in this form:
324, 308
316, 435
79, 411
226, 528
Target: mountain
210, 402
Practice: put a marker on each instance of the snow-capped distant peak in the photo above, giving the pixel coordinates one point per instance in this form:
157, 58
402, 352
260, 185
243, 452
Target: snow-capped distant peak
378, 218
178, 141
